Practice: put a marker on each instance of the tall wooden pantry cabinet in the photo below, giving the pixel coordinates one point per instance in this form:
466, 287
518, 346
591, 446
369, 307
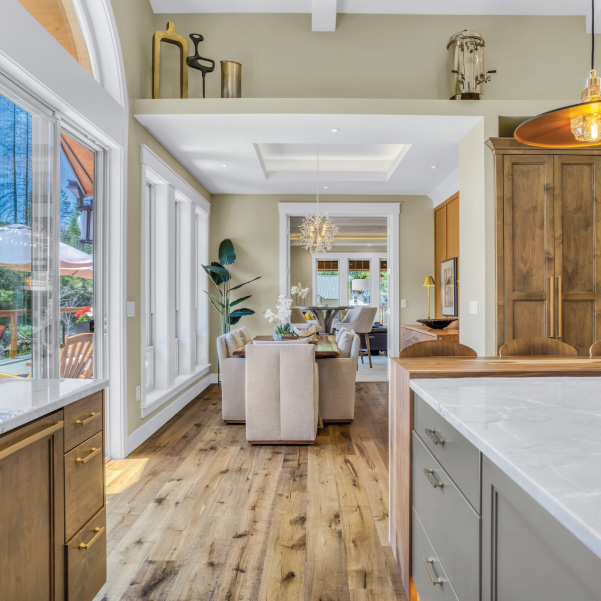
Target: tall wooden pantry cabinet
548, 241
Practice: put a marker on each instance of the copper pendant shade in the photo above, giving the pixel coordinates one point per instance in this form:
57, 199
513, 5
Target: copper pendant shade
574, 126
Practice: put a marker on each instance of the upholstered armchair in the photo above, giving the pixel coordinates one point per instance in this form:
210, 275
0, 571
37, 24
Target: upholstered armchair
282, 393
297, 319
337, 380
232, 372
361, 320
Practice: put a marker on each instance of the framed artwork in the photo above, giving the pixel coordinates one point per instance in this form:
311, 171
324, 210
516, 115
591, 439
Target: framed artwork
448, 292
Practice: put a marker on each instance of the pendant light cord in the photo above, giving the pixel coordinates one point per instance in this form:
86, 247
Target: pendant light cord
317, 179
593, 35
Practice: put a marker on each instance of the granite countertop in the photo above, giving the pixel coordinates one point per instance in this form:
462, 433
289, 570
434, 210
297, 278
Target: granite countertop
544, 433
23, 400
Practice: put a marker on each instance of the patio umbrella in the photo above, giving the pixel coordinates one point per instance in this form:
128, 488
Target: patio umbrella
15, 253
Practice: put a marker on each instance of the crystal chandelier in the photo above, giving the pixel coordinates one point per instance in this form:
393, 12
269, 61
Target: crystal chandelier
318, 231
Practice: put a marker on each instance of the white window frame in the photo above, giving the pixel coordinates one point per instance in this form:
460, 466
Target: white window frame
180, 344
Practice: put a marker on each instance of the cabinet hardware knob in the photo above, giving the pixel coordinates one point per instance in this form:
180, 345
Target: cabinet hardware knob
431, 432
429, 561
93, 451
98, 531
80, 422
433, 481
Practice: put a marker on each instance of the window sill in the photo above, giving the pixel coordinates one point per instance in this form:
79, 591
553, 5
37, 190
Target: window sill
160, 396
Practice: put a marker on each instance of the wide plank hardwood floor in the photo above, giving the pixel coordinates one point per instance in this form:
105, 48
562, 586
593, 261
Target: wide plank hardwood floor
198, 514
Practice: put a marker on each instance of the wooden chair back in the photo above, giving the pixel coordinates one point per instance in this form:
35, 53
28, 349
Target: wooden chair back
550, 347
77, 357
437, 348
595, 350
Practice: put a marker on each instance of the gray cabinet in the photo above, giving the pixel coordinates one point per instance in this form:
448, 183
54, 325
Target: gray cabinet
526, 552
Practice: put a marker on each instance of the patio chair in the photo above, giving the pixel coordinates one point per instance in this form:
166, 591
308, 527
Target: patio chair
77, 358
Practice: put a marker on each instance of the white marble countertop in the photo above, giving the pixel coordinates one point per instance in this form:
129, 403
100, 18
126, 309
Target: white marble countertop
544, 433
23, 400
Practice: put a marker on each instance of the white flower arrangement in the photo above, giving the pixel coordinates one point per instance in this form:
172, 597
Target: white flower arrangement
281, 318
299, 293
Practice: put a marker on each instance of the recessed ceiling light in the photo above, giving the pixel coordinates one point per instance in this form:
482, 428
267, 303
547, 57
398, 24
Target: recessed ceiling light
432, 166
224, 165
334, 130
325, 187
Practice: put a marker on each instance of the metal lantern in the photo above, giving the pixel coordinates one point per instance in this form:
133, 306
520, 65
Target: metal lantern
466, 63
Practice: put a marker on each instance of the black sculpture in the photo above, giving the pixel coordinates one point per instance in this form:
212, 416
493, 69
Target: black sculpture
194, 61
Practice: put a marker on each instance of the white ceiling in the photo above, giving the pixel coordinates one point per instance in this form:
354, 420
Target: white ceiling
324, 11
221, 152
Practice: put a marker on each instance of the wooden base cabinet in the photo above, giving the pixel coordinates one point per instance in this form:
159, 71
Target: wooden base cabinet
52, 506
548, 239
32, 512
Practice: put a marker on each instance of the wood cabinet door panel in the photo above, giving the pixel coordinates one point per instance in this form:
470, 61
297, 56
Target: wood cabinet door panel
528, 244
31, 505
577, 202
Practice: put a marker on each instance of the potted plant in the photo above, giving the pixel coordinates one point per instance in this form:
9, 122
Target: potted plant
83, 319
281, 318
222, 279
299, 293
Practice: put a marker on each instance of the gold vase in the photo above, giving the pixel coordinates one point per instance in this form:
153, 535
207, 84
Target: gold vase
231, 79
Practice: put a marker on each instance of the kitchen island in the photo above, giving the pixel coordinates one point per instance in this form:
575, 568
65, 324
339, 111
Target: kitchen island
518, 461
405, 371
52, 489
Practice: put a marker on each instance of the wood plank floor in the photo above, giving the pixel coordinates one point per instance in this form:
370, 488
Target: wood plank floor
197, 514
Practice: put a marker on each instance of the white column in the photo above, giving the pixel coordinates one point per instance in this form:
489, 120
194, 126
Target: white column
187, 287
202, 284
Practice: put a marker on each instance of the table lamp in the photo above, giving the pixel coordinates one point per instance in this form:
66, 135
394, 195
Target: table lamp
429, 282
360, 285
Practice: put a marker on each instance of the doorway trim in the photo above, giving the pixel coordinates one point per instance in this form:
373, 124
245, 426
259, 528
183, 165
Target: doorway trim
389, 210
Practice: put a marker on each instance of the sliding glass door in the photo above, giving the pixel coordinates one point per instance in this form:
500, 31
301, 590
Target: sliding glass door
47, 242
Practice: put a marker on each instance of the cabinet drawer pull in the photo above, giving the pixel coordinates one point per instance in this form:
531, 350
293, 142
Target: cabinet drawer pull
98, 531
83, 422
93, 451
31, 439
429, 561
431, 432
433, 481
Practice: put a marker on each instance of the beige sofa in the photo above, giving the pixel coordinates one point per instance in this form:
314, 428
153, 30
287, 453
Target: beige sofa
232, 374
337, 382
282, 393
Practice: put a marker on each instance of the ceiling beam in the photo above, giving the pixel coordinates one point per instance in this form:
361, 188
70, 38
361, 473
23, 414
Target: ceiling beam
324, 15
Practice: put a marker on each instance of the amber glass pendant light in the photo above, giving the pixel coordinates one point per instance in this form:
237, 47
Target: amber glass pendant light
572, 126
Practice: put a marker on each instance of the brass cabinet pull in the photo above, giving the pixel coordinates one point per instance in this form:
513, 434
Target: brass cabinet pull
83, 422
551, 308
429, 561
30, 440
559, 308
98, 531
93, 451
433, 481
431, 432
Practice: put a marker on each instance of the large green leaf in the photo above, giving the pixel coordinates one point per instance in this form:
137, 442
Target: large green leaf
244, 284
215, 299
227, 252
217, 273
240, 300
216, 307
235, 320
241, 313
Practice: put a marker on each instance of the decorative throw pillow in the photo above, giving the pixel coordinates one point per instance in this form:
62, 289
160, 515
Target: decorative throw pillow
309, 316
345, 343
244, 335
233, 342
339, 331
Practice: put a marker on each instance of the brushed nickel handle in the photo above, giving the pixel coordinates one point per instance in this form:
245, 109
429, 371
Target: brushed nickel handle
83, 422
559, 308
433, 481
98, 532
429, 562
431, 432
31, 439
551, 308
93, 452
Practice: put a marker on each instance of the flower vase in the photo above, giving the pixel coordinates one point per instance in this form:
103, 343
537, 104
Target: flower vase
277, 337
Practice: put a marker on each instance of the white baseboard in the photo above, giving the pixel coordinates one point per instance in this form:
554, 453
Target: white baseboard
137, 437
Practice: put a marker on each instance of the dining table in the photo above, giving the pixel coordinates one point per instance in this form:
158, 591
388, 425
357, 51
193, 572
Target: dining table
325, 314
325, 346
